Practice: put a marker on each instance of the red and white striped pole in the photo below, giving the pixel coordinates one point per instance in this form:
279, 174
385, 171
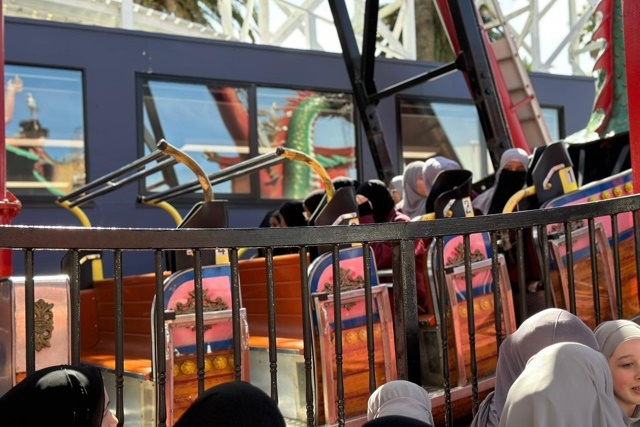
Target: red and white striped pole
9, 205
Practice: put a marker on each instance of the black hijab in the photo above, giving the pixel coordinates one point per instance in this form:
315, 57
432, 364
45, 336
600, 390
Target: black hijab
379, 196
232, 404
293, 214
65, 396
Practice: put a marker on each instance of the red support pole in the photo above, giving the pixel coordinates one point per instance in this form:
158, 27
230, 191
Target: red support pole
9, 205
631, 26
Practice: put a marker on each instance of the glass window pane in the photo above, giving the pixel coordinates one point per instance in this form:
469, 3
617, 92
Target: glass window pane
552, 118
452, 130
45, 130
319, 124
207, 121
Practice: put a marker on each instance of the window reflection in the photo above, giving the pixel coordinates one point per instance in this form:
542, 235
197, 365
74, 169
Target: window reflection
212, 124
45, 133
208, 122
319, 124
453, 130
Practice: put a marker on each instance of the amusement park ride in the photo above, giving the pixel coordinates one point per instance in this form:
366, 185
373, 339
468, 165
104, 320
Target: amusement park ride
199, 298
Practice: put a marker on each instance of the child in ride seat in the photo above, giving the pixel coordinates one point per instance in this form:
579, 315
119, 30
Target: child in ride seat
619, 341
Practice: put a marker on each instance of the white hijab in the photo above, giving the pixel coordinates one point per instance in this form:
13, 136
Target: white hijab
541, 330
412, 203
610, 335
402, 398
566, 384
432, 168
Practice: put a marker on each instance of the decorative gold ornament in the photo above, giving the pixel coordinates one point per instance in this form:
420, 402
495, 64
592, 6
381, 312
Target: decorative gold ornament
617, 191
43, 323
220, 362
208, 304
362, 334
628, 187
231, 361
347, 282
176, 370
351, 337
593, 199
605, 195
188, 367
207, 364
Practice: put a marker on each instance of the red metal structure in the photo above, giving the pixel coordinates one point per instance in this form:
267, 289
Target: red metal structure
9, 206
631, 18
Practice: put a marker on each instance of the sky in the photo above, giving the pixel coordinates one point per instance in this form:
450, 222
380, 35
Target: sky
554, 27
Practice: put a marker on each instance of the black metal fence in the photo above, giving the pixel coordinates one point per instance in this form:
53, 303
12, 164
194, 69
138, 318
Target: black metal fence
30, 240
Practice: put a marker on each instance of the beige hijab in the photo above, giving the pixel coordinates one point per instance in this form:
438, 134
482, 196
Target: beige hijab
610, 335
402, 398
541, 330
566, 384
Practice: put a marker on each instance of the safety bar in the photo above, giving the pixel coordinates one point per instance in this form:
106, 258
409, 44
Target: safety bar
73, 200
265, 160
242, 168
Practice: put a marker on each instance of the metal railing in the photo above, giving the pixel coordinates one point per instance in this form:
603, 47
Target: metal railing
31, 240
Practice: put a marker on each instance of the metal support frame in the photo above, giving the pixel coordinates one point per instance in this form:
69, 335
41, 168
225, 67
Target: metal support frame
480, 76
361, 70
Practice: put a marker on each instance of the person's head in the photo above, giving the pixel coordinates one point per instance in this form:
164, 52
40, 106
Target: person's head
539, 331
620, 343
64, 395
396, 188
311, 202
514, 160
400, 398
343, 181
432, 168
232, 404
377, 193
292, 214
413, 200
565, 384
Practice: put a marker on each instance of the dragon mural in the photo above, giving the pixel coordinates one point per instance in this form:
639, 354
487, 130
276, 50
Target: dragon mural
292, 126
610, 114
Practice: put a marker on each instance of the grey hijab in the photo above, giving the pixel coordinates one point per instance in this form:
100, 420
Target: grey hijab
565, 384
402, 398
541, 330
396, 183
432, 168
412, 203
610, 335
483, 201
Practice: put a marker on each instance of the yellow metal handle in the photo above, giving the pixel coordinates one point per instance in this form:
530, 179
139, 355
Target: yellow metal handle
182, 157
427, 217
299, 156
168, 208
512, 203
96, 264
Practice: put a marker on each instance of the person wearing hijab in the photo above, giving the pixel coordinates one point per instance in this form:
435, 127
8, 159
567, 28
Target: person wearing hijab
414, 197
513, 159
431, 169
65, 396
396, 189
565, 384
292, 214
232, 404
539, 331
619, 341
312, 201
375, 205
400, 399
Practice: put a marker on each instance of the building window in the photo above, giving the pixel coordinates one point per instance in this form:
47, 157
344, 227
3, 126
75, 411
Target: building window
453, 130
44, 124
213, 124
319, 124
